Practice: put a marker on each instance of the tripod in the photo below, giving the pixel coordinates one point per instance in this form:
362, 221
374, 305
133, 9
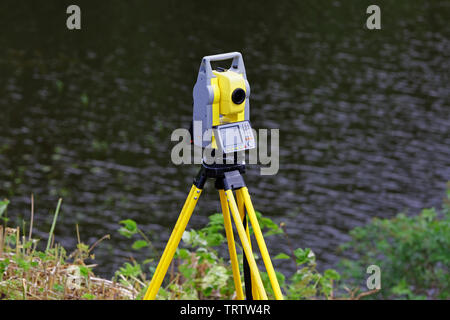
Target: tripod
228, 178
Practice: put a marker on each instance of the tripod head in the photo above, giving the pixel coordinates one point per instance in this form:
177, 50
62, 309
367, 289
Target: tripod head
221, 105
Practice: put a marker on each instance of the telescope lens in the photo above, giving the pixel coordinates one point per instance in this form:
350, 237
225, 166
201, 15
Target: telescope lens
238, 96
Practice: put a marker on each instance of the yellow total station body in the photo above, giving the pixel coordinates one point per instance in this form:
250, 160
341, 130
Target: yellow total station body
225, 110
220, 96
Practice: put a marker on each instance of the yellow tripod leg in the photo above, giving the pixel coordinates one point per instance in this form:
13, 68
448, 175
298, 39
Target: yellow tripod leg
245, 244
241, 208
177, 226
172, 244
231, 245
261, 244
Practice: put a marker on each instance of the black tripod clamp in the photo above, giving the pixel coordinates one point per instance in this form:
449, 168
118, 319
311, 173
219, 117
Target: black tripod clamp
228, 176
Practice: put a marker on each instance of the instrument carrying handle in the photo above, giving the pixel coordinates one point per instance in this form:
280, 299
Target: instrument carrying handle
237, 64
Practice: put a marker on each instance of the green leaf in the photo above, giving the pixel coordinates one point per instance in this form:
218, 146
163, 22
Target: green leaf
216, 218
282, 256
139, 244
84, 271
304, 256
129, 224
84, 99
129, 228
207, 291
3, 265
88, 296
186, 271
130, 270
428, 214
25, 265
280, 277
214, 239
183, 253
59, 85
332, 274
402, 288
58, 287
268, 223
82, 247
3, 206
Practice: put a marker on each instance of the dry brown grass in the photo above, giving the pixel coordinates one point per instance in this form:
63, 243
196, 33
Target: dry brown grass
31, 274
26, 273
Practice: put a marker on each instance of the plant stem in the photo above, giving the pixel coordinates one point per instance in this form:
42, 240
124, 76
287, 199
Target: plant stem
52, 229
32, 218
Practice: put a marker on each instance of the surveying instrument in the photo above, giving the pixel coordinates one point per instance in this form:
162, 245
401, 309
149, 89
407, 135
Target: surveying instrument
221, 104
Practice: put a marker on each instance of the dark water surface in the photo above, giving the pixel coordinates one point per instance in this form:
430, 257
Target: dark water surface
87, 115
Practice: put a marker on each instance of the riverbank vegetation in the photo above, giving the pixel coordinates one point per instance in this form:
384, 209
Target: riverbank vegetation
411, 251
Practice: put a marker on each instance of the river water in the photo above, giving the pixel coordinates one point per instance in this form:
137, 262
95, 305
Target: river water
87, 115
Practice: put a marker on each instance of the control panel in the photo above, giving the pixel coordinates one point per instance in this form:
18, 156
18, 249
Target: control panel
235, 136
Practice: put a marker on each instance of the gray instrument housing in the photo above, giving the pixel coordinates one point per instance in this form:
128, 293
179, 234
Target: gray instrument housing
203, 94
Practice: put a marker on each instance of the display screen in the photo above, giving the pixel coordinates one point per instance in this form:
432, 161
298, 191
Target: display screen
231, 136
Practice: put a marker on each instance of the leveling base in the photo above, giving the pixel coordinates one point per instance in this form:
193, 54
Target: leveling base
228, 179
